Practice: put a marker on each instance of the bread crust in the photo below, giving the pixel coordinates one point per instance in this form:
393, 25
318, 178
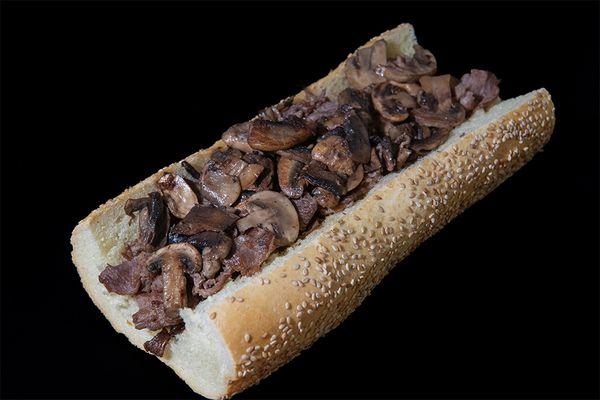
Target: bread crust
266, 320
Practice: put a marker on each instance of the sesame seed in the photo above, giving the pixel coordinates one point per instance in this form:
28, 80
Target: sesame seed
213, 315
247, 337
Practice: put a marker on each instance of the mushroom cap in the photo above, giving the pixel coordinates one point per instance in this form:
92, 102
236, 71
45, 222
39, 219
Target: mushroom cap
334, 152
392, 101
360, 68
274, 212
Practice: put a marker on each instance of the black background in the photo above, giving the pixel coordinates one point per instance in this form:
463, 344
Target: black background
95, 97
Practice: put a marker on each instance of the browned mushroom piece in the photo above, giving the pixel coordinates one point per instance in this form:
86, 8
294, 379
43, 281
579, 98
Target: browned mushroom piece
249, 175
316, 174
398, 133
437, 107
218, 187
360, 68
357, 137
409, 69
178, 195
325, 198
306, 206
215, 247
204, 218
335, 153
412, 89
355, 99
153, 220
274, 212
268, 135
433, 141
251, 250
265, 178
289, 176
300, 153
191, 170
355, 179
392, 102
386, 152
237, 137
174, 260
477, 89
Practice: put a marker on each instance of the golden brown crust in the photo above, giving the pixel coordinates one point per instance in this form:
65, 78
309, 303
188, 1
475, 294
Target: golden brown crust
317, 287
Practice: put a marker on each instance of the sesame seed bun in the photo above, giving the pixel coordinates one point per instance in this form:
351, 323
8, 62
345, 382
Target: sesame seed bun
256, 324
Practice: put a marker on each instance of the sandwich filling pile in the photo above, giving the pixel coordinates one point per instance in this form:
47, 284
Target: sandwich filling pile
280, 175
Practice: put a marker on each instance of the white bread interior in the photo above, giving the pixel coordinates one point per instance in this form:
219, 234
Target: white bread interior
254, 325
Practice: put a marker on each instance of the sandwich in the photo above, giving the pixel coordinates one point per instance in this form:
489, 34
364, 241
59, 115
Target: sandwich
229, 263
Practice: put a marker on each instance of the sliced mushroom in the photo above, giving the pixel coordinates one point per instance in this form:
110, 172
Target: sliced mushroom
477, 89
355, 99
398, 133
409, 69
204, 218
179, 196
433, 141
300, 153
174, 260
360, 68
289, 176
190, 169
237, 137
249, 175
316, 174
335, 153
392, 101
274, 212
325, 198
265, 178
219, 188
278, 135
386, 153
215, 247
358, 138
251, 250
153, 221
438, 109
356, 178
306, 206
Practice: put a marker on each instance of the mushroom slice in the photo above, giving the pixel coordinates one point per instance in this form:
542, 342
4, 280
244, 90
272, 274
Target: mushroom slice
355, 99
174, 260
357, 138
392, 101
335, 153
316, 175
274, 212
300, 153
268, 135
438, 109
264, 180
325, 198
219, 188
153, 221
204, 218
356, 178
306, 206
398, 133
409, 69
360, 68
477, 89
249, 175
179, 196
386, 152
190, 169
289, 176
237, 137
433, 141
251, 250
215, 247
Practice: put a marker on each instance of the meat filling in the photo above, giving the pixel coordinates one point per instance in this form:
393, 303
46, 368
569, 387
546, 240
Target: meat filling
280, 175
